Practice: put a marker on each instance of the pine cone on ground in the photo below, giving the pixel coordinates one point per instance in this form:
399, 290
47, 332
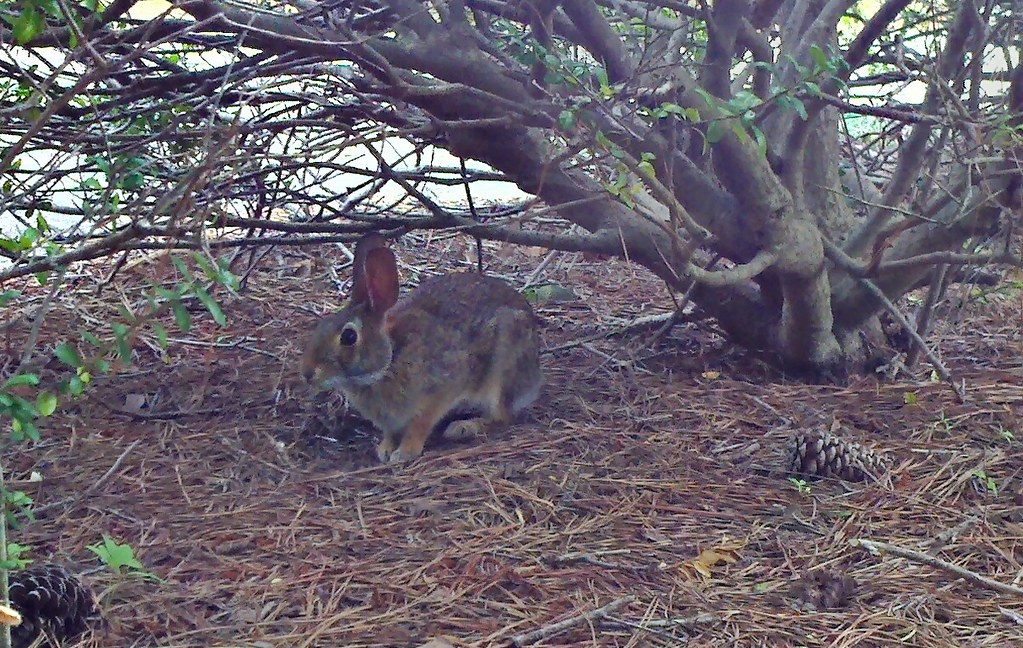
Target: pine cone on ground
52, 602
822, 454
822, 590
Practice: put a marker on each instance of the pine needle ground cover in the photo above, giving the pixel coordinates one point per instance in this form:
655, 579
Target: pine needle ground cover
646, 500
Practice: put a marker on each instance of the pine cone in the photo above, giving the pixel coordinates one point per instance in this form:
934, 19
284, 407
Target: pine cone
52, 602
822, 590
822, 454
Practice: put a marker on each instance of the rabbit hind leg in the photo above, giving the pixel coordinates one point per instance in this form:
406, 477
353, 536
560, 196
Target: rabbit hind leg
514, 379
522, 376
464, 429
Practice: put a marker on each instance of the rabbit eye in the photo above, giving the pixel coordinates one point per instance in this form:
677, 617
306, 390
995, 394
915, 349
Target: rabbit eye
348, 337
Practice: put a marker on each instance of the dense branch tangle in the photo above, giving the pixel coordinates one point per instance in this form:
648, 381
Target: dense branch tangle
670, 132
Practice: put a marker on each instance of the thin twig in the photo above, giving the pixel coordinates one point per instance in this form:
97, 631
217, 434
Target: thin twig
96, 486
592, 558
557, 628
642, 323
877, 547
237, 344
37, 320
894, 311
923, 318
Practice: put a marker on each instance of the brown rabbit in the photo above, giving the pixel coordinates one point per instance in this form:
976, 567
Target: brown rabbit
460, 342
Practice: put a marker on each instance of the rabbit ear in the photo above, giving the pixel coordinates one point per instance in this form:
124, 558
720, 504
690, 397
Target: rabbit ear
381, 279
360, 287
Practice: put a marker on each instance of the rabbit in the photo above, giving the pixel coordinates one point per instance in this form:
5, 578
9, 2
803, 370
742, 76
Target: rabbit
460, 342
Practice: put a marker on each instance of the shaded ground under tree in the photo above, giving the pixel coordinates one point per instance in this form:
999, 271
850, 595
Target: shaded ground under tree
272, 525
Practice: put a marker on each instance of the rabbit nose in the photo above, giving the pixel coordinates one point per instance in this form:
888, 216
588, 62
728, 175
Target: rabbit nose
309, 373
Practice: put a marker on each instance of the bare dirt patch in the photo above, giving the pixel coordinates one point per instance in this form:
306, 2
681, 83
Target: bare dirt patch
271, 524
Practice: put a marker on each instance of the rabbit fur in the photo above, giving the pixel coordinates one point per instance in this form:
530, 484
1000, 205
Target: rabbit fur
460, 342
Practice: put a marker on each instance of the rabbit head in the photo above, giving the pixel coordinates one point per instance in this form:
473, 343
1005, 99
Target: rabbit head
351, 347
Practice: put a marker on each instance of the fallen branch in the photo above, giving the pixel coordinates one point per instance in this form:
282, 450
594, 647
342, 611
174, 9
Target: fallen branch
916, 556
561, 626
894, 311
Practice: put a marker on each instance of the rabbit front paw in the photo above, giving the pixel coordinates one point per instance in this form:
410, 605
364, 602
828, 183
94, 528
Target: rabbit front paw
402, 455
410, 448
385, 448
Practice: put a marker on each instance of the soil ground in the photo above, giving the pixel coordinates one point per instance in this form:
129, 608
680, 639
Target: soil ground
653, 467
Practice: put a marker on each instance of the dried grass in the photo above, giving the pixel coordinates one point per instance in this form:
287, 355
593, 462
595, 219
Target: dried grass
272, 525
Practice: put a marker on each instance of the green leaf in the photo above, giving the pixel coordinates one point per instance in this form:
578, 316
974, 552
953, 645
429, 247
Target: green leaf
820, 57
205, 265
181, 316
169, 295
743, 101
17, 556
68, 354
134, 180
75, 386
228, 278
21, 380
793, 103
800, 109
669, 108
23, 428
550, 293
161, 335
566, 120
739, 131
28, 25
126, 313
715, 131
46, 403
92, 339
42, 277
121, 333
183, 268
211, 305
761, 140
115, 555
28, 237
813, 88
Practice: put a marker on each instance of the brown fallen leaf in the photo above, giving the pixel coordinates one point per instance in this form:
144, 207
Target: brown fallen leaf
9, 616
134, 403
708, 559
